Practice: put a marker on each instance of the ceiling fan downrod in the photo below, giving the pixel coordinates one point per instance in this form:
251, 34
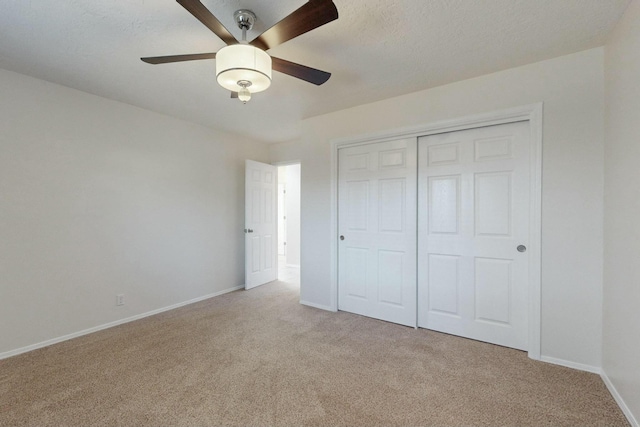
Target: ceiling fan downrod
244, 19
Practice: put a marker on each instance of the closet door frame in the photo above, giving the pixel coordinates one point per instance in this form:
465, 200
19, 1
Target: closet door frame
531, 113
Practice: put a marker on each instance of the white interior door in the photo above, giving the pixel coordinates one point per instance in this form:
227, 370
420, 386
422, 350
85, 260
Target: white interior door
377, 230
473, 216
260, 223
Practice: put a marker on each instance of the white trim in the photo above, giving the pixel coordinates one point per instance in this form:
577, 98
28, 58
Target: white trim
531, 113
570, 364
516, 114
535, 233
67, 337
596, 370
319, 306
621, 403
333, 292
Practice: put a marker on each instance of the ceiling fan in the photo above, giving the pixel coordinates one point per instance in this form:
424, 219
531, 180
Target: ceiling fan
244, 67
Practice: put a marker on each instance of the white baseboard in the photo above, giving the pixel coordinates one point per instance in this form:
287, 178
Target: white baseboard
569, 364
314, 305
52, 341
596, 370
621, 403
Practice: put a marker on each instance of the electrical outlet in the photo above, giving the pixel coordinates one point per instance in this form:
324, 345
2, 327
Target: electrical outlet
120, 299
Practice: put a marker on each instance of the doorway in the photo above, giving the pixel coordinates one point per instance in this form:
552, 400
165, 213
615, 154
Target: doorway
289, 223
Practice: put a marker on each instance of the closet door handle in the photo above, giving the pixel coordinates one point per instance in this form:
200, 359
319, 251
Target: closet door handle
341, 237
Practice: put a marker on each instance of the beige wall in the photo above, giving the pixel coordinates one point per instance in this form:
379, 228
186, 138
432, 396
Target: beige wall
99, 198
621, 337
572, 90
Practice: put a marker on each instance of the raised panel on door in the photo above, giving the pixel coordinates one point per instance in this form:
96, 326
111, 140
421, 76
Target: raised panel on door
487, 149
444, 204
256, 256
493, 204
444, 154
389, 159
493, 290
256, 205
390, 277
355, 272
267, 210
392, 198
357, 205
444, 299
473, 195
377, 219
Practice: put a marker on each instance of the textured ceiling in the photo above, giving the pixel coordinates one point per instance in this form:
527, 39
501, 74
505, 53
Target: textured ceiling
376, 49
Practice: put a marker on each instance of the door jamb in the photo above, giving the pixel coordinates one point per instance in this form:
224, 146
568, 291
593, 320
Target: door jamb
531, 113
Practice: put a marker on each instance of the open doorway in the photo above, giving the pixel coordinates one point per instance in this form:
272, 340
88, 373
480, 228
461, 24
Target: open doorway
289, 223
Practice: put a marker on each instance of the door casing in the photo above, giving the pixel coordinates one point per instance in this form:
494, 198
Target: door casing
531, 113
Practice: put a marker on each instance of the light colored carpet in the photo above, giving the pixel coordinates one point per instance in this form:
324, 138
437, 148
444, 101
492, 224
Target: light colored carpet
258, 358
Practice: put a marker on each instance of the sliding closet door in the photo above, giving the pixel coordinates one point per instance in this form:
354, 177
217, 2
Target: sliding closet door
473, 231
377, 230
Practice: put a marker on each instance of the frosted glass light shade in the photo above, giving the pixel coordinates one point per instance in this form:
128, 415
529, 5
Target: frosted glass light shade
243, 62
244, 95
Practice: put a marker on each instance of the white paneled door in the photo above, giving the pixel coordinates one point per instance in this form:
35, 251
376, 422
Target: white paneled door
377, 230
260, 223
473, 227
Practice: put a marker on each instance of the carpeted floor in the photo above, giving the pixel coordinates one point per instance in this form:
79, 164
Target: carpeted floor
258, 358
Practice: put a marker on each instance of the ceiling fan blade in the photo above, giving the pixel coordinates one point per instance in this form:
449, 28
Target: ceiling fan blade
234, 95
308, 74
177, 58
311, 15
198, 10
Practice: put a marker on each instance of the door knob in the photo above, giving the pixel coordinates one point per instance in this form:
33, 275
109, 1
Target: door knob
521, 248
248, 230
341, 237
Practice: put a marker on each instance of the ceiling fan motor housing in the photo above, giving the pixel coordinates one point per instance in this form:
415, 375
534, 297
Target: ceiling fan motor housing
244, 19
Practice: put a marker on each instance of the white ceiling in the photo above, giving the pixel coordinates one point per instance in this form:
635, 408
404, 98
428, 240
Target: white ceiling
377, 49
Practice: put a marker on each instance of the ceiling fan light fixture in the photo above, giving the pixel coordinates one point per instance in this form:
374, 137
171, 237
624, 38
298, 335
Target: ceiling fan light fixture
245, 68
243, 63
